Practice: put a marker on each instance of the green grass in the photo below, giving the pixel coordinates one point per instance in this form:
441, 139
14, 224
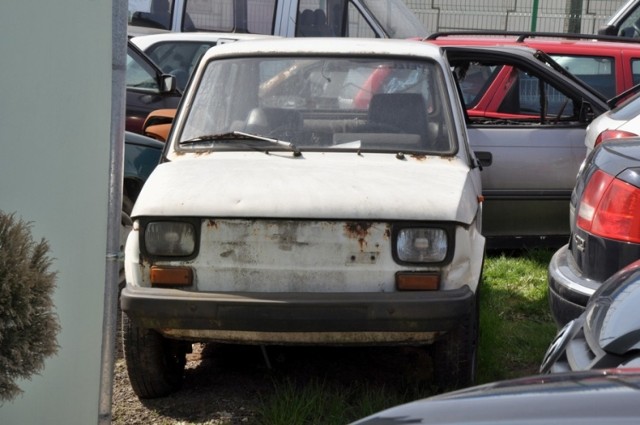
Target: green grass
515, 330
515, 322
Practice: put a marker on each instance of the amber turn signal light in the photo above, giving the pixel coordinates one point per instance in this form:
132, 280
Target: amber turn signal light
171, 276
417, 281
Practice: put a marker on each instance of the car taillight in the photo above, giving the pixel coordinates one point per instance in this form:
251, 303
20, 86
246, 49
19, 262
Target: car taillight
612, 134
609, 208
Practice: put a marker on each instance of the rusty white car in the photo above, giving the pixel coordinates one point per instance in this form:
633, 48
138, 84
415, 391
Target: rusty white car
281, 214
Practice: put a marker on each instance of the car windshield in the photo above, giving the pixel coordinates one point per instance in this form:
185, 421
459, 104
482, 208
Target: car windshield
321, 103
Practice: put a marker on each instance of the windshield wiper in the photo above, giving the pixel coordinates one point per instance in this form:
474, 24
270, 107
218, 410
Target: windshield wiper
239, 135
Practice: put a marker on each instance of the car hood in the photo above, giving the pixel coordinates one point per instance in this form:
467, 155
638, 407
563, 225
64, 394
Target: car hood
575, 398
315, 185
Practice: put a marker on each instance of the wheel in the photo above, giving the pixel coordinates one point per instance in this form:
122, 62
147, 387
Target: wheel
155, 364
455, 356
127, 205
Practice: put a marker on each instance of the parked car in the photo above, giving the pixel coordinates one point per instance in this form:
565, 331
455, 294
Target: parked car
621, 122
527, 119
594, 397
625, 22
608, 64
530, 140
178, 53
280, 214
148, 88
141, 155
606, 334
286, 18
605, 228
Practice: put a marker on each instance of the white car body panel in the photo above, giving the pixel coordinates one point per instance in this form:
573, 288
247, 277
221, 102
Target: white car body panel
316, 230
625, 117
316, 186
143, 42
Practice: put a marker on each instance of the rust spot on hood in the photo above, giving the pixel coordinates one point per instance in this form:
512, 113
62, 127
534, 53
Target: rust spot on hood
212, 224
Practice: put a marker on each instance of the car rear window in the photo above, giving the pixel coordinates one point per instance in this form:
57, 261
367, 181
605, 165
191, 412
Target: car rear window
627, 110
597, 71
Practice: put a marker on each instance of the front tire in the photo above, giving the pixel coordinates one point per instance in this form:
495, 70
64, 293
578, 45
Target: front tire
155, 364
455, 355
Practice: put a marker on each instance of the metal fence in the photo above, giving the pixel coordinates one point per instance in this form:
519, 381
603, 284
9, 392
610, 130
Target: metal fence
574, 16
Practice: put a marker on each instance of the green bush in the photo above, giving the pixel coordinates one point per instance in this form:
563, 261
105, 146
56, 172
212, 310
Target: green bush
28, 323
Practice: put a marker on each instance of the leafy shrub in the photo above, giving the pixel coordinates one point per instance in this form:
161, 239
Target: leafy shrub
28, 324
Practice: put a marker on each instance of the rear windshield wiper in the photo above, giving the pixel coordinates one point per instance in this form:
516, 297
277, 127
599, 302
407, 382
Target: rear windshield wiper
238, 135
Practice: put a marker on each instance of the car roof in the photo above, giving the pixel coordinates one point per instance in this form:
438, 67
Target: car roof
329, 46
551, 43
144, 41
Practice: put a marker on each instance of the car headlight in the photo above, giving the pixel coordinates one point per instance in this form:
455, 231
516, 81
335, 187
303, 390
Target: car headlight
170, 238
421, 245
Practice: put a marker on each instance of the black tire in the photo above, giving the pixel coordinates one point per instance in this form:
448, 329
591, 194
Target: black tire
455, 355
155, 364
127, 205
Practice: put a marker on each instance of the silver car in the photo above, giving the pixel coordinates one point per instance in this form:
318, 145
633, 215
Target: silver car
526, 119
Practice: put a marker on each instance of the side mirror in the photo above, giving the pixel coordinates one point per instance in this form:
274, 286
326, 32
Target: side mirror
168, 83
586, 112
607, 30
158, 124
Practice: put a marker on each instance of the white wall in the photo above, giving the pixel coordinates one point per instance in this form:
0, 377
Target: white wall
55, 96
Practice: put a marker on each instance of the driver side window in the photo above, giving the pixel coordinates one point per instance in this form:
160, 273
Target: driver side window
531, 99
496, 93
139, 76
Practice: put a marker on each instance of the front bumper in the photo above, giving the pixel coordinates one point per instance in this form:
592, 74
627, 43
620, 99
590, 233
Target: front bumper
572, 350
290, 318
569, 292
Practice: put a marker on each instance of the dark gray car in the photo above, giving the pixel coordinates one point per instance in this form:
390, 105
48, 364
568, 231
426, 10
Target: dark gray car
607, 334
585, 398
605, 228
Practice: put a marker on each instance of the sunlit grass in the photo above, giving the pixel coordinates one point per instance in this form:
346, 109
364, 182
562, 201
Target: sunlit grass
515, 323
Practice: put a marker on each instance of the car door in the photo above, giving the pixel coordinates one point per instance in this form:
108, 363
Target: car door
146, 89
526, 123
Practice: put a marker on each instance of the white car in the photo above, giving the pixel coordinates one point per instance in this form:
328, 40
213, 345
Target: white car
286, 18
281, 213
620, 122
178, 53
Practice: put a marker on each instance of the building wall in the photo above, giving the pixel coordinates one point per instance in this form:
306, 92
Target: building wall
55, 106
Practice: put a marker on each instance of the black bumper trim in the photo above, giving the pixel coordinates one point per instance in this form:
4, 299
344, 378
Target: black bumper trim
298, 312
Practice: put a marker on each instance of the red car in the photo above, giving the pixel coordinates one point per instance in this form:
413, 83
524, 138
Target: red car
610, 65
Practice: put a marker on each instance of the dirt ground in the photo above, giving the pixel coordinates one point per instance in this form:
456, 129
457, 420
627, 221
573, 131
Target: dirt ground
215, 391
